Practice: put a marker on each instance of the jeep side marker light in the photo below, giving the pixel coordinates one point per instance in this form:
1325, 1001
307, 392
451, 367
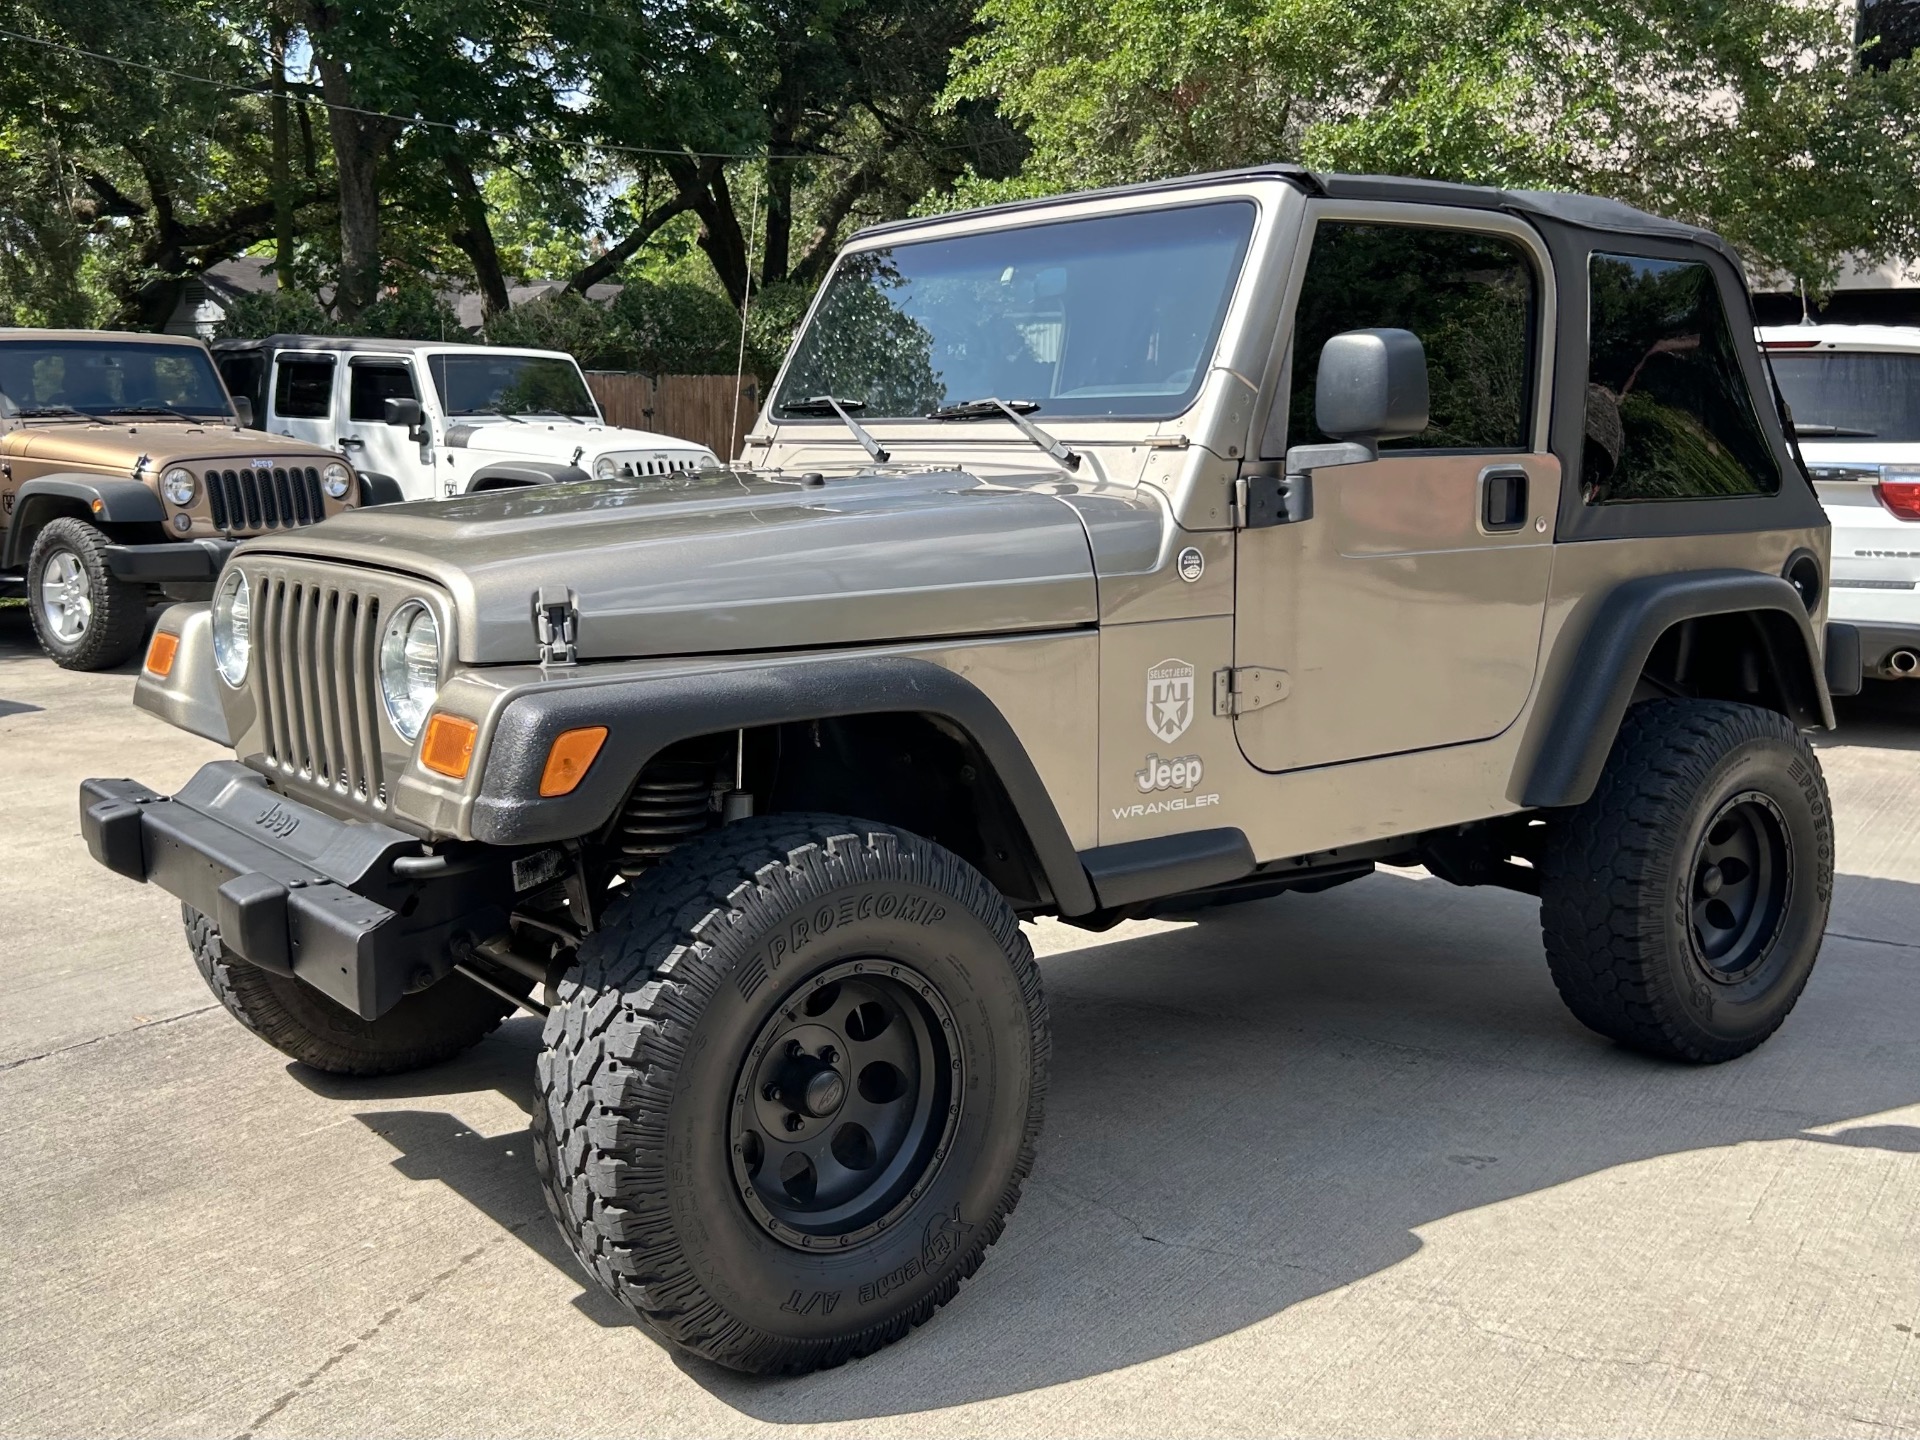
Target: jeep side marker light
569, 756
447, 747
161, 652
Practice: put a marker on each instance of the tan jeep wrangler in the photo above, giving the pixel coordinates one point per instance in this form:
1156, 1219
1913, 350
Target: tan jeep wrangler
1119, 554
124, 471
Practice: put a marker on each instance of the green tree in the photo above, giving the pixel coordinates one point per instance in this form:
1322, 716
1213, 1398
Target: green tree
1752, 116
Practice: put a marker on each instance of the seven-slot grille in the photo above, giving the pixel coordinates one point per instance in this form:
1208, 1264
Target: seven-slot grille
262, 499
317, 686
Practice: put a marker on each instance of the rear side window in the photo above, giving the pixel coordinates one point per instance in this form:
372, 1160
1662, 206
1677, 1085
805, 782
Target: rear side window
303, 388
371, 386
1669, 416
1473, 300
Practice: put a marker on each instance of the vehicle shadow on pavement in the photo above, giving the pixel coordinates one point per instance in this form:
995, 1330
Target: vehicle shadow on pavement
1264, 1107
1885, 715
17, 641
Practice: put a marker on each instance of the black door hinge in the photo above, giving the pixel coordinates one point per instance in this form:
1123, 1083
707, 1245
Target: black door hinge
1263, 500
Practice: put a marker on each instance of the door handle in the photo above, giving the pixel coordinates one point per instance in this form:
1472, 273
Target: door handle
351, 441
1503, 498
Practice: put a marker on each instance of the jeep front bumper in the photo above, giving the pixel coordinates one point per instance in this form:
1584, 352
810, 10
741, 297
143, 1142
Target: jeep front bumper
294, 890
174, 562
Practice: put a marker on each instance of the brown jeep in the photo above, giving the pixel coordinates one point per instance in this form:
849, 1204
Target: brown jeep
124, 470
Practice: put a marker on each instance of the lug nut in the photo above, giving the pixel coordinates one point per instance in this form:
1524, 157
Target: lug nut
830, 1055
772, 1091
793, 1122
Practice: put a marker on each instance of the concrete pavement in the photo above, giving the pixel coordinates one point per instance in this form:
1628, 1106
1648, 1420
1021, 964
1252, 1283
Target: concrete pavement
1333, 1164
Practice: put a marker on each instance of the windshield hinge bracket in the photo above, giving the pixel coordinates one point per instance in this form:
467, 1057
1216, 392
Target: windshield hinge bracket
1263, 500
556, 626
1249, 687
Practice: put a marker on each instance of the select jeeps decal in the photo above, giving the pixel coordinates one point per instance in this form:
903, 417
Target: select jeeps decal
1169, 700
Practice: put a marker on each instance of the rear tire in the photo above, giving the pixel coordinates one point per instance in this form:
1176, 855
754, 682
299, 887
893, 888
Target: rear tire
1683, 905
85, 617
297, 1020
792, 1089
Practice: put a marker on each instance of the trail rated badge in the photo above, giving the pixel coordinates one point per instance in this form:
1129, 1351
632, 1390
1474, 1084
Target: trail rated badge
1170, 700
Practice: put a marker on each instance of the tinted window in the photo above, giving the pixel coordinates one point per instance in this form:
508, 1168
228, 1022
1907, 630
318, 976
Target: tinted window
509, 385
1115, 315
303, 389
371, 386
1471, 298
245, 374
1858, 396
1668, 412
102, 376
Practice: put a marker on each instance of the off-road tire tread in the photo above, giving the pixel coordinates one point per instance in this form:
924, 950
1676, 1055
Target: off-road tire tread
119, 607
625, 1015
258, 999
1600, 919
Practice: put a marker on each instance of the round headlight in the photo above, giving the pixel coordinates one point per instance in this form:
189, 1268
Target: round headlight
410, 667
233, 628
336, 479
604, 468
177, 485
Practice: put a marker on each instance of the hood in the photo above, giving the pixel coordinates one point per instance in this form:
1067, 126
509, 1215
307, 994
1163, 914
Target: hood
568, 441
722, 560
163, 442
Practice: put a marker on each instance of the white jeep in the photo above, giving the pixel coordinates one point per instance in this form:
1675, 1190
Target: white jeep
422, 420
1854, 392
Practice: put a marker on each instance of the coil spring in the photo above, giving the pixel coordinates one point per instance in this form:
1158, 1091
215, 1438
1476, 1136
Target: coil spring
668, 807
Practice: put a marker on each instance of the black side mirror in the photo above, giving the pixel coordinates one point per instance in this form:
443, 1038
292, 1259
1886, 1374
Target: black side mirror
243, 411
403, 410
1372, 386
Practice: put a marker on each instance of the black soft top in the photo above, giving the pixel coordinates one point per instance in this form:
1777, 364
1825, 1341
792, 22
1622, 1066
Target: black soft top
1586, 212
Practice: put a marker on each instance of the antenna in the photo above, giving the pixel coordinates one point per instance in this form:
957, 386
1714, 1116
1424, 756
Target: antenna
746, 301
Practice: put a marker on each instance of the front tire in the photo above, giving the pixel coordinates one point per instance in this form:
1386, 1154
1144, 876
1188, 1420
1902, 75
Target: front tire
792, 1089
1683, 905
85, 616
297, 1020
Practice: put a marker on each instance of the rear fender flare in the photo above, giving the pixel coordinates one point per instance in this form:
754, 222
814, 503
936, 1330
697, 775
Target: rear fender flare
1570, 737
644, 715
98, 498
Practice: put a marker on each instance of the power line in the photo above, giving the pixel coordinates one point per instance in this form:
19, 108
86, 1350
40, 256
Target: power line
457, 127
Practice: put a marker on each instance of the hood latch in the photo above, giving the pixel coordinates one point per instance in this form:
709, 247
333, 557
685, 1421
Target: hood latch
556, 626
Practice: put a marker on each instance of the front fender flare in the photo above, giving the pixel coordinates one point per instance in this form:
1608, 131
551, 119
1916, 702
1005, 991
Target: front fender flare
644, 715
506, 474
1570, 738
120, 502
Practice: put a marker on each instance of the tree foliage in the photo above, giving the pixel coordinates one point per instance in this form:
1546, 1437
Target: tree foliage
1752, 116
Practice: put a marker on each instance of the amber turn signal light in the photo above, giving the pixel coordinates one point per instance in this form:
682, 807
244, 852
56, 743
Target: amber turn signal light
568, 758
447, 747
161, 652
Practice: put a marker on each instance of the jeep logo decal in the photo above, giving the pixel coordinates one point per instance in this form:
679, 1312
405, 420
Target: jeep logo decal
276, 819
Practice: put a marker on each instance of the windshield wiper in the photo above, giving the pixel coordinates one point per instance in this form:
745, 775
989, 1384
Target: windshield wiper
489, 410
1017, 411
822, 404
1808, 428
160, 410
41, 412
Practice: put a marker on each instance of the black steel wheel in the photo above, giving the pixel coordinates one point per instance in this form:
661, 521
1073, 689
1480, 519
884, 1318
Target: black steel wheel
846, 1104
1742, 886
792, 1088
1683, 905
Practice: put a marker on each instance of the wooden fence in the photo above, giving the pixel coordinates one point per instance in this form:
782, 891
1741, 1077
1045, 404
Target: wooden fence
702, 408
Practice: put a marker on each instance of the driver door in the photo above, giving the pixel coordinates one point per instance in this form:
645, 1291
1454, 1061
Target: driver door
371, 443
1406, 611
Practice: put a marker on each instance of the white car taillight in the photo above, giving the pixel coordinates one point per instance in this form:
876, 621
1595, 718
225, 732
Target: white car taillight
1899, 491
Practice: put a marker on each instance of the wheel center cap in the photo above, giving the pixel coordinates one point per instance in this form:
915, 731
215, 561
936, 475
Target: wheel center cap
824, 1092
1711, 881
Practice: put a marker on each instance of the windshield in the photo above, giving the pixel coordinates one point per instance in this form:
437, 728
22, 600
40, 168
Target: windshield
484, 384
1851, 396
1112, 316
102, 377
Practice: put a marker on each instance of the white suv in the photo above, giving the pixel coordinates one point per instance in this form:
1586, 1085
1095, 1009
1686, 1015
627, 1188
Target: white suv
1855, 395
